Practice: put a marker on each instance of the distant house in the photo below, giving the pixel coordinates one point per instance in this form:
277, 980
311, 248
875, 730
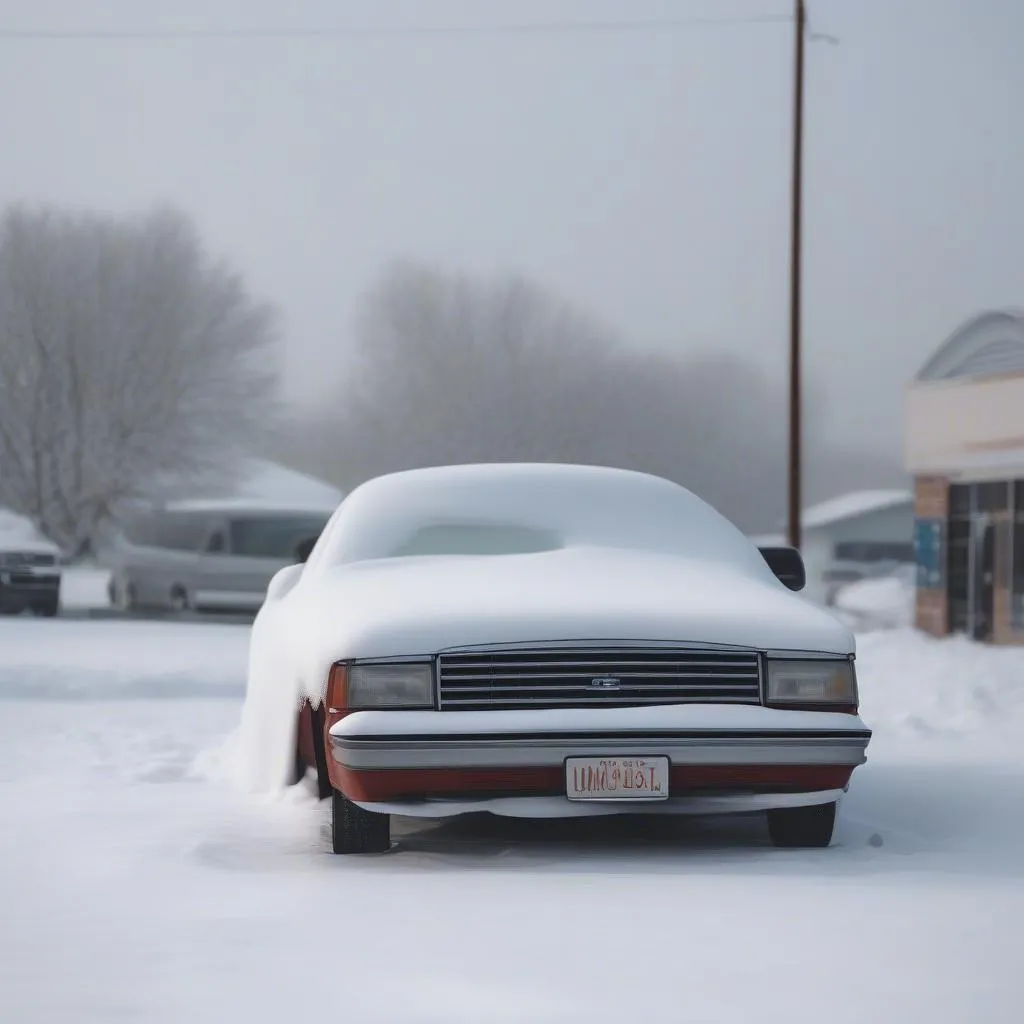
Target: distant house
964, 445
266, 482
257, 482
853, 536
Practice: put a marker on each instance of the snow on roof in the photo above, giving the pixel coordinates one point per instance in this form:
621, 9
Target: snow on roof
987, 344
270, 482
267, 486
852, 505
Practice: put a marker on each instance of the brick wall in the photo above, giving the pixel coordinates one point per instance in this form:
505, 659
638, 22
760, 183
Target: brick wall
931, 501
931, 497
931, 612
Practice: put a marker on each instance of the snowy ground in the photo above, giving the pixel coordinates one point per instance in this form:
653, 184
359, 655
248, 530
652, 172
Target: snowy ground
137, 885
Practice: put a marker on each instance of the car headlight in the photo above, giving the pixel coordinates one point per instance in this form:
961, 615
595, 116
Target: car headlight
812, 681
390, 686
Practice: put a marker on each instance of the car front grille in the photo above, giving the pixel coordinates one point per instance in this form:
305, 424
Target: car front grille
604, 677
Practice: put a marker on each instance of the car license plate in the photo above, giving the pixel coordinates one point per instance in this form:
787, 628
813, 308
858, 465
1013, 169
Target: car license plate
616, 778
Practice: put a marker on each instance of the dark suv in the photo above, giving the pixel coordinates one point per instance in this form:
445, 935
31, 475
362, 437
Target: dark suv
29, 578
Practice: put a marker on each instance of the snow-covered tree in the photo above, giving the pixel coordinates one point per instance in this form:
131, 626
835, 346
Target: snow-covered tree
130, 362
452, 368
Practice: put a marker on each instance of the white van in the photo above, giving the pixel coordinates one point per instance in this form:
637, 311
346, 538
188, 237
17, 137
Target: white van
206, 556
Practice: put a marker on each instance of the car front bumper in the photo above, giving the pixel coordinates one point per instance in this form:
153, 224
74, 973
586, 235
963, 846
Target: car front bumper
722, 759
20, 589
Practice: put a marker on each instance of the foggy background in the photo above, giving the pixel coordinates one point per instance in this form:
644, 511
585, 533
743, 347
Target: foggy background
638, 177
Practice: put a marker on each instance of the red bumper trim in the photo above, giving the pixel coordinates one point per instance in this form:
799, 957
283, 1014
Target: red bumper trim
397, 784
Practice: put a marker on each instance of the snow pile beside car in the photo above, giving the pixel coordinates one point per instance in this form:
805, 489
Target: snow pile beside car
886, 602
71, 660
912, 684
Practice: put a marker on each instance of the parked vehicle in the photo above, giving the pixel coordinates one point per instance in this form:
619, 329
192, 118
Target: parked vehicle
545, 640
853, 562
30, 570
205, 556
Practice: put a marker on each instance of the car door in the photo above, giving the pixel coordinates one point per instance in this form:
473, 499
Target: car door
260, 547
217, 583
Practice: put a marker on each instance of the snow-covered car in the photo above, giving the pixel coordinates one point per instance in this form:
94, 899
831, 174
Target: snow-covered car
548, 641
30, 570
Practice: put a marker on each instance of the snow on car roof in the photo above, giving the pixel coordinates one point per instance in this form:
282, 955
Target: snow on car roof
20, 532
246, 506
266, 487
583, 505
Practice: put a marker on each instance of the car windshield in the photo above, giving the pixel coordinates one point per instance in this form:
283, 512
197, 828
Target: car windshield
478, 539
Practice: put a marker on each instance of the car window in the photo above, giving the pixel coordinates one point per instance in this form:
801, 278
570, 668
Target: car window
140, 531
169, 530
180, 532
478, 539
275, 537
217, 542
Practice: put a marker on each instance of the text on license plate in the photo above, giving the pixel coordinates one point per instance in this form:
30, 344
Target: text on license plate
616, 778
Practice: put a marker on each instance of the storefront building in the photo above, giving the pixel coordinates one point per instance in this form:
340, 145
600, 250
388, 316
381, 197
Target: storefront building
964, 446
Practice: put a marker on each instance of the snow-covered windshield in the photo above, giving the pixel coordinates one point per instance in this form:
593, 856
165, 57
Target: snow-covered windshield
516, 509
477, 539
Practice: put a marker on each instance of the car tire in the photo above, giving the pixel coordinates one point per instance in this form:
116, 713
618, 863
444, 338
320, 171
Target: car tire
354, 830
48, 609
802, 827
318, 719
123, 595
179, 599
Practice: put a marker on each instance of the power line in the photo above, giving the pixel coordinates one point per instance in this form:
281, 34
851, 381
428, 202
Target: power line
395, 32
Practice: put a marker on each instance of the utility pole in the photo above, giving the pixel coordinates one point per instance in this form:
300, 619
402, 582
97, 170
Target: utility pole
795, 498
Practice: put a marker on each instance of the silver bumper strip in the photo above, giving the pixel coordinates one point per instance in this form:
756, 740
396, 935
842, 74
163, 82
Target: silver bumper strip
376, 753
559, 807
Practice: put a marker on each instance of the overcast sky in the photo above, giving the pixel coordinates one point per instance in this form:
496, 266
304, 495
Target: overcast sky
643, 174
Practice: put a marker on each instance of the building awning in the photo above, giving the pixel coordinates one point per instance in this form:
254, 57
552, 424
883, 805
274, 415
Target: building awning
993, 464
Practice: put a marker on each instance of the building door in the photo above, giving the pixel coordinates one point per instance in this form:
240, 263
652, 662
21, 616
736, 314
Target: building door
959, 552
983, 612
972, 549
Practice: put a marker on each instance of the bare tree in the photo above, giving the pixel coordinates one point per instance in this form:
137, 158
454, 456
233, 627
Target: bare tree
130, 363
456, 369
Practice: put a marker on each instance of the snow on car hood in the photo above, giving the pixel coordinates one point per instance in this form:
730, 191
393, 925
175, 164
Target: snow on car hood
413, 606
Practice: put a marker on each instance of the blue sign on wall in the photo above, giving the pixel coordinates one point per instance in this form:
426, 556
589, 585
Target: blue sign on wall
929, 550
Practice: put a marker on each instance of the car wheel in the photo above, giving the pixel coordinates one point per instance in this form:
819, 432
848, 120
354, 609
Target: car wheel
48, 609
123, 595
354, 830
317, 724
179, 599
802, 827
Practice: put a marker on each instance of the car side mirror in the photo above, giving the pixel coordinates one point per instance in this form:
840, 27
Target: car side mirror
788, 566
304, 549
